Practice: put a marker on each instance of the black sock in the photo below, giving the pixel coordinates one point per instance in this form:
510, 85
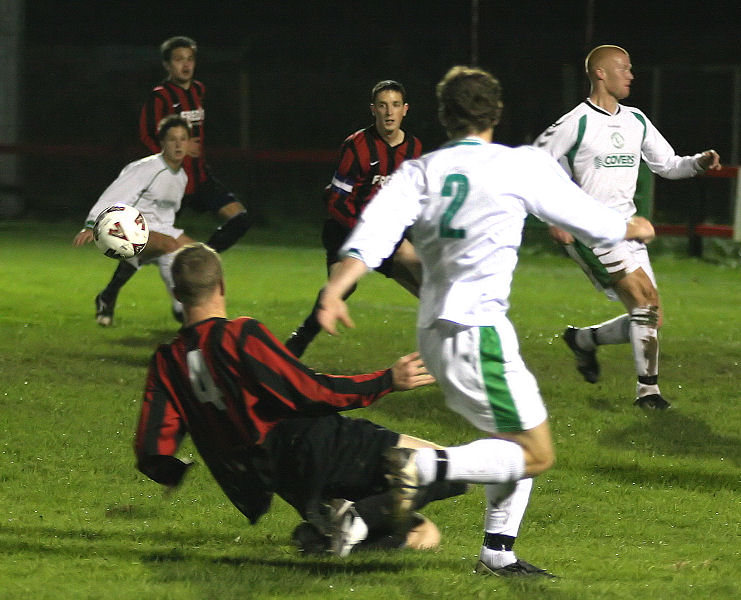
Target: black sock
227, 234
497, 541
124, 271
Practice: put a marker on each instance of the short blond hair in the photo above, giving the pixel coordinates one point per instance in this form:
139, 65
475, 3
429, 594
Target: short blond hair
196, 273
596, 55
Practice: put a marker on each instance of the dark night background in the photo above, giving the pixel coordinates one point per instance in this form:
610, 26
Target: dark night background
295, 76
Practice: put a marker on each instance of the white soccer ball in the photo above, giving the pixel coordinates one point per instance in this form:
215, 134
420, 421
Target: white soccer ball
120, 231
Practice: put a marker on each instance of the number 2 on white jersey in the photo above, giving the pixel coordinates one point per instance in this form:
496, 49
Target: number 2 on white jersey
201, 380
455, 187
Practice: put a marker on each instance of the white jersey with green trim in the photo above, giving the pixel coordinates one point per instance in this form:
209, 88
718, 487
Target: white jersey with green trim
467, 204
602, 152
150, 185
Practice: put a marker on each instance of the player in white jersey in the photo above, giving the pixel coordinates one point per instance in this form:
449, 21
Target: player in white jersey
155, 185
466, 204
601, 143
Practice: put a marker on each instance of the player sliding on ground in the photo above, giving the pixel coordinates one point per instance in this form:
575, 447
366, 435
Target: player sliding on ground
264, 423
466, 204
603, 143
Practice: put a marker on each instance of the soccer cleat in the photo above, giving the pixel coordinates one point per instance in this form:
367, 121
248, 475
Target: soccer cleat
347, 527
586, 360
403, 478
652, 401
519, 568
309, 540
103, 311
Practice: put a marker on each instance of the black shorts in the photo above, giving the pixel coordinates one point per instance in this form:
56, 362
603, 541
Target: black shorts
210, 196
317, 459
334, 235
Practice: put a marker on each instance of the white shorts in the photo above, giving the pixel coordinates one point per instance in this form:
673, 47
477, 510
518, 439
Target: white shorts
600, 263
482, 375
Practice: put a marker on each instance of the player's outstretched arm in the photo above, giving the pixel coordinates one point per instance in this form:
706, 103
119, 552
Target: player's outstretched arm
639, 228
84, 236
709, 160
409, 372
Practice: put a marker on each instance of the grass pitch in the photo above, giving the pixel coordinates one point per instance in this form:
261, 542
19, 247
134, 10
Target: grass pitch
638, 506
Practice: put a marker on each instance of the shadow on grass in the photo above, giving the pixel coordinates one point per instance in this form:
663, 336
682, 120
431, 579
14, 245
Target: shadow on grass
170, 548
669, 434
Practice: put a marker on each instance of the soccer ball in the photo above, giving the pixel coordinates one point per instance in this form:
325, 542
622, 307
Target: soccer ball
120, 231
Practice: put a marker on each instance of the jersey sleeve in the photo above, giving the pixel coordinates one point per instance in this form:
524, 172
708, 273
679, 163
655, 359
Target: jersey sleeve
661, 158
559, 138
341, 190
555, 199
151, 114
288, 388
389, 213
160, 430
121, 190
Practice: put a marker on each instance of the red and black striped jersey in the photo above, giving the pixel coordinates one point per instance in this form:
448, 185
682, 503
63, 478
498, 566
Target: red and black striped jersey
228, 383
167, 99
366, 161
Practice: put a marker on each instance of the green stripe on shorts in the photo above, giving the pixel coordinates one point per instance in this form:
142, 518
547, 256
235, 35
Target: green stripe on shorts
498, 392
591, 262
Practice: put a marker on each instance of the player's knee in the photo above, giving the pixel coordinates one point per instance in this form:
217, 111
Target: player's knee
232, 209
539, 461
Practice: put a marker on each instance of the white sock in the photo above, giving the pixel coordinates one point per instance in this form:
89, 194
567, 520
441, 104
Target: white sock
496, 559
644, 338
506, 505
482, 461
164, 263
614, 331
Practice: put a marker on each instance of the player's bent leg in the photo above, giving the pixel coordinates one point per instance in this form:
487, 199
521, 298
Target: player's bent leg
640, 296
237, 223
537, 448
407, 268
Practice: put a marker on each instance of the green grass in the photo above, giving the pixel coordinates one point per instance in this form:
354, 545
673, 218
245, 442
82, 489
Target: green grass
638, 506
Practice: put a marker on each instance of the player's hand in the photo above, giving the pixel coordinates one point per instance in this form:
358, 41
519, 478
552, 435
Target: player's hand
639, 228
560, 236
331, 309
194, 147
709, 160
409, 372
84, 236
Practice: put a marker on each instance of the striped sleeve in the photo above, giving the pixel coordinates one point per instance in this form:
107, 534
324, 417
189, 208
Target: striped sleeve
299, 389
160, 429
341, 191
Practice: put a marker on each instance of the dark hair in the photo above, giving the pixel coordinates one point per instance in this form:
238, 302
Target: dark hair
388, 84
179, 41
168, 123
469, 101
196, 271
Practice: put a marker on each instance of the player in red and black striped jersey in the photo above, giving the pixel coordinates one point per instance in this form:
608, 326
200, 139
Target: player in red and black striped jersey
262, 421
180, 94
367, 159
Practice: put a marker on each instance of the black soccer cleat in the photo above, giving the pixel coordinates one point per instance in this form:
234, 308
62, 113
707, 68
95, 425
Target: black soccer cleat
309, 540
586, 360
104, 311
652, 402
519, 568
